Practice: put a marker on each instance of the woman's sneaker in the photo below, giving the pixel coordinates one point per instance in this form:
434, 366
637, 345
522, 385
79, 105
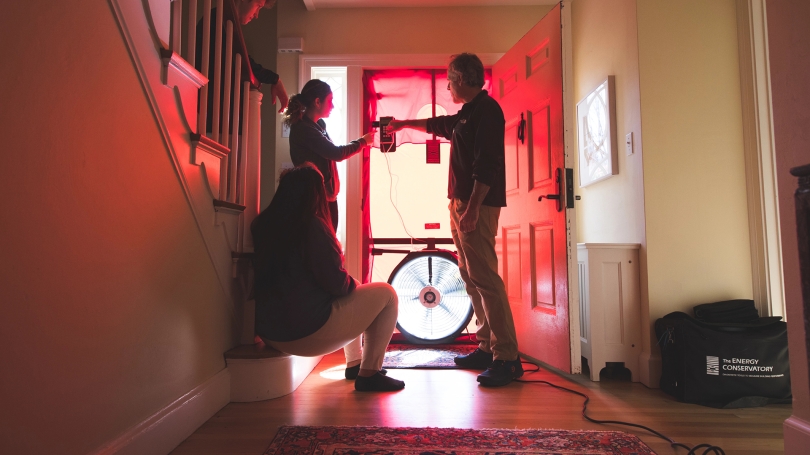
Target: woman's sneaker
476, 360
501, 372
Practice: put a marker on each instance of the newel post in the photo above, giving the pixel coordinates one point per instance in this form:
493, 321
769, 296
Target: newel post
252, 168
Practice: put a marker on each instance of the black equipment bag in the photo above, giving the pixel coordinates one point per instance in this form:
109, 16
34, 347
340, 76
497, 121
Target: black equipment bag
731, 365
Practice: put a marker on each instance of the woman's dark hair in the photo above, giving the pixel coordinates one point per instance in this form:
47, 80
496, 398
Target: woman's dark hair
281, 228
298, 105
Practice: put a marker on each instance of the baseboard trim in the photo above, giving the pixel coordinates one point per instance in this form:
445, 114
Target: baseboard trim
267, 378
649, 366
797, 436
170, 426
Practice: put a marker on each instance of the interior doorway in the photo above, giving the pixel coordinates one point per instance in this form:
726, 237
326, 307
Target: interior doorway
356, 249
408, 187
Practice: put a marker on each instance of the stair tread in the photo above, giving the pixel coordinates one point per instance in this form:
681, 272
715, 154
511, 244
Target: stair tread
254, 351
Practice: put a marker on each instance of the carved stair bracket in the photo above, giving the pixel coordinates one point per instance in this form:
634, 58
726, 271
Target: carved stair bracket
209, 154
186, 79
229, 218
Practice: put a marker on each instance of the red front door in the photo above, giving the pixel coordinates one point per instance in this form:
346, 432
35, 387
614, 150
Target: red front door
528, 83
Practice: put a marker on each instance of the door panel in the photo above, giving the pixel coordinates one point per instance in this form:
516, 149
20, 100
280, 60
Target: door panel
543, 283
530, 85
511, 157
508, 81
511, 268
539, 146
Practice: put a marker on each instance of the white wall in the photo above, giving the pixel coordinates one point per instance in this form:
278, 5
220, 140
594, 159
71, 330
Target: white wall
111, 306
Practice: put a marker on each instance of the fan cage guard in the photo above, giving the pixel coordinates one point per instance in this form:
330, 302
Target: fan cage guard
422, 321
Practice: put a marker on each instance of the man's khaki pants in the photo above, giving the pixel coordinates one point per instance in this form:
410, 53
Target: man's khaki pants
478, 265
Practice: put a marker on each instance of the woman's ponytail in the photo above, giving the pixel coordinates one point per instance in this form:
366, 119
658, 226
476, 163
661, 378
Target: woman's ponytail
314, 89
295, 110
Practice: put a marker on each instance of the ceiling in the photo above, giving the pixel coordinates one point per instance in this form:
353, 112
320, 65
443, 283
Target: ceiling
322, 4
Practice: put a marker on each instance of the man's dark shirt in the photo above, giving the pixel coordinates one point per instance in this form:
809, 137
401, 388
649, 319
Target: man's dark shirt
476, 135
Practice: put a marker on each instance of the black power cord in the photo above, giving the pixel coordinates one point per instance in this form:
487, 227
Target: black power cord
709, 449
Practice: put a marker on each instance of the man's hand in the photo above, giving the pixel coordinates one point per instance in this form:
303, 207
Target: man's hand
394, 126
468, 220
277, 90
415, 124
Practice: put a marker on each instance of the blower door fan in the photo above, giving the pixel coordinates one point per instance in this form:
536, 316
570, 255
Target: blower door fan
434, 306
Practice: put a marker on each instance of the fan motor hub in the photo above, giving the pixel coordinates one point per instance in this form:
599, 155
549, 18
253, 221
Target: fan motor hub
430, 297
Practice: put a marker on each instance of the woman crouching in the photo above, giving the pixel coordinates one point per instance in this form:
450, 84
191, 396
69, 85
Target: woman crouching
306, 302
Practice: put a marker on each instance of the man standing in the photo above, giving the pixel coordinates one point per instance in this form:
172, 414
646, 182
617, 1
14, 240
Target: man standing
477, 191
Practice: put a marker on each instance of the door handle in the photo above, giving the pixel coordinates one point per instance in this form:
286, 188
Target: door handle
522, 129
569, 189
557, 197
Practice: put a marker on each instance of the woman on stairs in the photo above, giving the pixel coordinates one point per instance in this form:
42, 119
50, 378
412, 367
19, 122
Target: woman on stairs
309, 142
306, 302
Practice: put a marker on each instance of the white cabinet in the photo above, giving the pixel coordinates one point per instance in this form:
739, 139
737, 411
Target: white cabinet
610, 307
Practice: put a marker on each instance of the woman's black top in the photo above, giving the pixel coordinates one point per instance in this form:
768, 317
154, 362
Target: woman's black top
294, 297
310, 142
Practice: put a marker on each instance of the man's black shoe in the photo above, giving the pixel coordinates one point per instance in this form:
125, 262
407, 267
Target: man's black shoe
501, 372
476, 360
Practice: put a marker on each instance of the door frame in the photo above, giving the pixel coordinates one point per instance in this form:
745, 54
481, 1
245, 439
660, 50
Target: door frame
570, 129
356, 63
760, 161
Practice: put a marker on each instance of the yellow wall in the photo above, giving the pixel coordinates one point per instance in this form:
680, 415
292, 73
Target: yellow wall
441, 30
682, 194
694, 172
111, 307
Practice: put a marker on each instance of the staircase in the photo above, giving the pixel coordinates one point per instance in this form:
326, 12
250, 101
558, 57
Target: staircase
218, 169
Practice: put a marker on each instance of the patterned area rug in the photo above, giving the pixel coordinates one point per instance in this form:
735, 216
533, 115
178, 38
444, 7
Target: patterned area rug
424, 356
450, 441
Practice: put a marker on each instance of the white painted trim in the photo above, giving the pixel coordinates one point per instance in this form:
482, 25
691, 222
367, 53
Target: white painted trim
621, 246
354, 173
797, 436
649, 365
268, 378
185, 68
569, 125
760, 161
167, 428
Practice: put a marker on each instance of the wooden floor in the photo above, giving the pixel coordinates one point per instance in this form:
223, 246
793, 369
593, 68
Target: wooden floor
452, 398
